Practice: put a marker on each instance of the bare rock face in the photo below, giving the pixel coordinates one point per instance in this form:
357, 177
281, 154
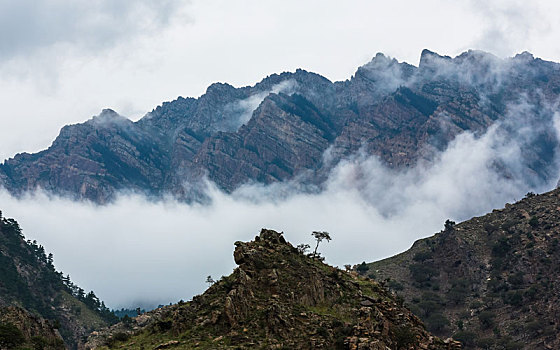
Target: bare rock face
279, 298
281, 128
21, 329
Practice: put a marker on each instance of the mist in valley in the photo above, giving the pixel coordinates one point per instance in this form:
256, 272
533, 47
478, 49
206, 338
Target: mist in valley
141, 252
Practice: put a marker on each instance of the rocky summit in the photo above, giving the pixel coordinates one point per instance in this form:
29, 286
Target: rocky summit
278, 298
300, 125
490, 282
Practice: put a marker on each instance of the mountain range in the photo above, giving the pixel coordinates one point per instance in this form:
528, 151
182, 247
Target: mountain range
489, 282
298, 126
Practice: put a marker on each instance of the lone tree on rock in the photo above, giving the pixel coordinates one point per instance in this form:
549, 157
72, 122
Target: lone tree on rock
448, 226
319, 236
303, 248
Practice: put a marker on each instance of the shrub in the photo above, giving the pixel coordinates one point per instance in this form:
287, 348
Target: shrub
534, 326
121, 336
127, 320
465, 337
362, 268
516, 279
485, 343
534, 221
531, 293
514, 298
429, 304
394, 285
422, 256
40, 343
449, 225
508, 225
496, 285
436, 322
421, 273
486, 319
458, 291
322, 332
490, 228
10, 336
404, 337
501, 247
475, 304
163, 326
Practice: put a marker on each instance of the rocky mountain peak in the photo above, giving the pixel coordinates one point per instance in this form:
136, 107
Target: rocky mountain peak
429, 58
381, 76
380, 63
279, 297
108, 117
218, 88
525, 56
245, 255
180, 141
108, 112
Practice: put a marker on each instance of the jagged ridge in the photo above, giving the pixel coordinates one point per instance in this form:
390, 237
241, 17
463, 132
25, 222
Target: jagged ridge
281, 127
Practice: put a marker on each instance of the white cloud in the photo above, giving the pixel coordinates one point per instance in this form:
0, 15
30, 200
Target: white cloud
511, 26
139, 251
240, 112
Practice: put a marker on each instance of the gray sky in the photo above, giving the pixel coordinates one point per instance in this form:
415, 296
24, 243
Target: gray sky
62, 62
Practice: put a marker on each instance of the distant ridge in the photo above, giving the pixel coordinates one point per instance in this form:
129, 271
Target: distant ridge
281, 128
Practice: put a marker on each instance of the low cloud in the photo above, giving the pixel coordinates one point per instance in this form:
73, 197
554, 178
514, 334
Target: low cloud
240, 112
140, 252
509, 26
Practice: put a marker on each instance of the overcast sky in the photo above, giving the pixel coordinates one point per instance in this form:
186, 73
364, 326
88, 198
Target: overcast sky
62, 62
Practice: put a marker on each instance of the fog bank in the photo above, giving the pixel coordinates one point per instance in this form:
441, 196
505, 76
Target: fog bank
140, 252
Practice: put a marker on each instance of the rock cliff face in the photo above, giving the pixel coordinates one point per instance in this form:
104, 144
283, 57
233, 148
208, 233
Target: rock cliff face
278, 298
21, 330
491, 281
282, 127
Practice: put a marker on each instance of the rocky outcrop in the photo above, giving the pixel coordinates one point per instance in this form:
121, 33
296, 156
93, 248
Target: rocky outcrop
277, 298
281, 128
491, 281
20, 329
